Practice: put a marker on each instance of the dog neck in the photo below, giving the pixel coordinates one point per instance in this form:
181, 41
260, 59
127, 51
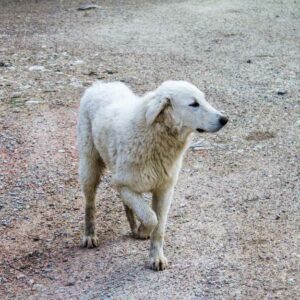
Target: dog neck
173, 139
165, 135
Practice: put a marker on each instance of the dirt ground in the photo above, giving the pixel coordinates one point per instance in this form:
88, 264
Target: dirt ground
233, 229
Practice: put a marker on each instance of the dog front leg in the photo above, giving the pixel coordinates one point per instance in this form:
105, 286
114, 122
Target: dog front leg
134, 203
161, 204
131, 220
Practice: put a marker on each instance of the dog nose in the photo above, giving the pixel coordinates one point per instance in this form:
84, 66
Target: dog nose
223, 120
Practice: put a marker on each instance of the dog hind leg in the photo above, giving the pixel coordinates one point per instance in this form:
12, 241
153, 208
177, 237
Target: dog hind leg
90, 170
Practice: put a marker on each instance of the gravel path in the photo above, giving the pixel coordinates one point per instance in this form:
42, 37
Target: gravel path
233, 230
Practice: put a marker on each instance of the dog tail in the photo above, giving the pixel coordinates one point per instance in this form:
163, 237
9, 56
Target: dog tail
85, 143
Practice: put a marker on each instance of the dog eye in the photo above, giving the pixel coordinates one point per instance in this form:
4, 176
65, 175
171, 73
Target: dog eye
194, 104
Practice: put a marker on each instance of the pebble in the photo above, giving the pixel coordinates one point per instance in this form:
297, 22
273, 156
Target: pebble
37, 68
197, 145
77, 62
235, 138
198, 166
16, 95
110, 72
70, 282
281, 93
20, 276
75, 84
91, 73
31, 102
39, 287
297, 123
4, 223
2, 280
88, 7
26, 87
5, 64
49, 90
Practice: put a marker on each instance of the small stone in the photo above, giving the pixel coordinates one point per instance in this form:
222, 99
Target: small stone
110, 72
281, 93
49, 91
4, 223
37, 68
39, 287
31, 102
197, 145
88, 7
78, 62
5, 64
249, 61
70, 282
297, 123
16, 95
92, 73
76, 84
2, 280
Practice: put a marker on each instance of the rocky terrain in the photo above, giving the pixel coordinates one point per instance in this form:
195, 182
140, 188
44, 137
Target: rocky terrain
233, 229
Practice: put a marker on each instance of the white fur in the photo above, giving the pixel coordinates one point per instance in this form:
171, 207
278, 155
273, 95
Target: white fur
142, 141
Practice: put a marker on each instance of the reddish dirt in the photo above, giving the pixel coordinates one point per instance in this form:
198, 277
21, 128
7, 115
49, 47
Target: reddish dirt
234, 224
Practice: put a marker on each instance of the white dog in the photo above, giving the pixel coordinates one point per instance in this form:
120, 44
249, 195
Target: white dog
142, 140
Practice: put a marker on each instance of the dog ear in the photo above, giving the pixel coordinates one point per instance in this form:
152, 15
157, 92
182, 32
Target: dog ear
155, 108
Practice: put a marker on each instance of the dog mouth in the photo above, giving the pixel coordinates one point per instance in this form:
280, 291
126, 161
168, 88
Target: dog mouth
200, 130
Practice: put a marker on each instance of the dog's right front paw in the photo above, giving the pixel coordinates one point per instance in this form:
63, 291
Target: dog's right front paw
89, 241
158, 262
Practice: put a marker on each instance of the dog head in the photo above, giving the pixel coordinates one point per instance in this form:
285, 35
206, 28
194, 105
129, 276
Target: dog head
181, 104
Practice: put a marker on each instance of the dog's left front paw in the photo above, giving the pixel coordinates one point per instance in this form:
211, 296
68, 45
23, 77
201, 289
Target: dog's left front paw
158, 262
143, 233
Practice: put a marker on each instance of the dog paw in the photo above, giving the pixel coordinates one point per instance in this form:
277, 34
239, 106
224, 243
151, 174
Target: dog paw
143, 233
89, 241
158, 263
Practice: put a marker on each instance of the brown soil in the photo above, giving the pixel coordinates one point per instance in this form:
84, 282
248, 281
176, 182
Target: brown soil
233, 230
